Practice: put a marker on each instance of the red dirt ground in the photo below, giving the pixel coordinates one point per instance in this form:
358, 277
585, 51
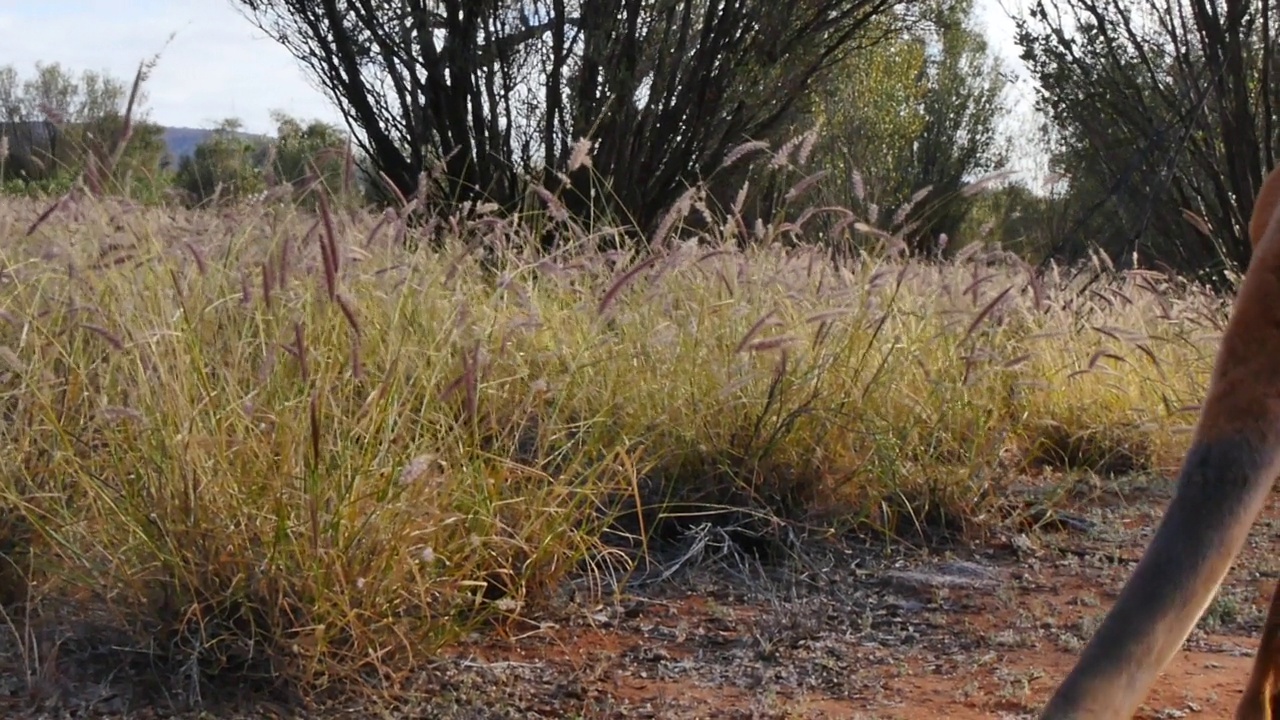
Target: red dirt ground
707, 650
1203, 680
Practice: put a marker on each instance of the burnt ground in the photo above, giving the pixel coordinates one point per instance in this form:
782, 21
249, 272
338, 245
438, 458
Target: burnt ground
847, 629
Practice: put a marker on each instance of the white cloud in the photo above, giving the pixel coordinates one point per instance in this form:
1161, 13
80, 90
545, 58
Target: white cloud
217, 65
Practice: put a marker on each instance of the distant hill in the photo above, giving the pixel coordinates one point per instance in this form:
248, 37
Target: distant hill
182, 141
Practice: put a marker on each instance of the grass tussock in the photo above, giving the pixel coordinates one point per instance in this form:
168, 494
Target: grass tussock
281, 443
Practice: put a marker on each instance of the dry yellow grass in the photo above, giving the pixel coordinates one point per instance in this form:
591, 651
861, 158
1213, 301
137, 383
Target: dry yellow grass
283, 444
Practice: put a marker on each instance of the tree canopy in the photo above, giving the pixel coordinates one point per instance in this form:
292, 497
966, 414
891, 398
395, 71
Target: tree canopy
1163, 118
55, 120
498, 92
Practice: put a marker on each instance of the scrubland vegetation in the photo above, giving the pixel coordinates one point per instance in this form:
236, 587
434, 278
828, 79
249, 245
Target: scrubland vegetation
279, 440
310, 409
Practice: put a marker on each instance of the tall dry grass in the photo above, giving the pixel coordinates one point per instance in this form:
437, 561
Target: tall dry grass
281, 443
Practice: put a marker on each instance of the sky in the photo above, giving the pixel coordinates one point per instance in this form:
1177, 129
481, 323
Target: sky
219, 65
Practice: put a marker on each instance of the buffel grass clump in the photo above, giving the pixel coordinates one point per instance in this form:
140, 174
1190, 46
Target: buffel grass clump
278, 443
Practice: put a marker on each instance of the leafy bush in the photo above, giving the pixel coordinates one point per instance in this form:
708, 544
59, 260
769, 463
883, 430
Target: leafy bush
227, 166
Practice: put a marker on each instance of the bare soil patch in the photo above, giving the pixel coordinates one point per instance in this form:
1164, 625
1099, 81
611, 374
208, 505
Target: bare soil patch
851, 630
